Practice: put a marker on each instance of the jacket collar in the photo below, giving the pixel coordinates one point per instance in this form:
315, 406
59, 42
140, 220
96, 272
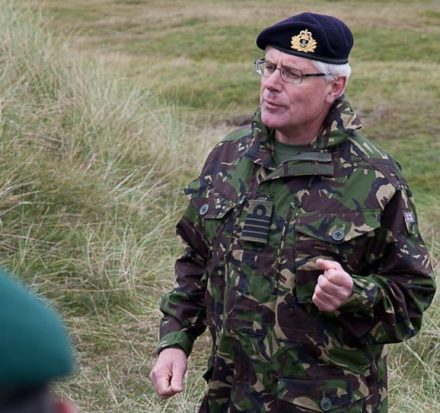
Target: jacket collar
338, 126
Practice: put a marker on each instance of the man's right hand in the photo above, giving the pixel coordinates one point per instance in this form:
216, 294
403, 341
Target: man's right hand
168, 372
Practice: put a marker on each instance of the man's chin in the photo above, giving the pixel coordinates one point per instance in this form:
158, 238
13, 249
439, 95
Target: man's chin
270, 120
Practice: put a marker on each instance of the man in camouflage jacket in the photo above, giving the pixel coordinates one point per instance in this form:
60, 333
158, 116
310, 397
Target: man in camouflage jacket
302, 270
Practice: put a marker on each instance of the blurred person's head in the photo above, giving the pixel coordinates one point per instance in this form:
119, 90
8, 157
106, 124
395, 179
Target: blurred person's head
35, 351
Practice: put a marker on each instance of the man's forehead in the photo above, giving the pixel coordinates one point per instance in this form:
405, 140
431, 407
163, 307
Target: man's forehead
273, 54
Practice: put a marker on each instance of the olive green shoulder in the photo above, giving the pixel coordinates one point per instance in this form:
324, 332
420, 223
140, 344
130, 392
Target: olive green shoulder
238, 134
376, 156
365, 148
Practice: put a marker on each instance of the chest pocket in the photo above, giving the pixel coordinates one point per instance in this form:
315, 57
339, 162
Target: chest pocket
342, 237
215, 212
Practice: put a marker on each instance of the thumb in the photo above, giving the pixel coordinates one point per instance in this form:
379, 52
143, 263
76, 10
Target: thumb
325, 265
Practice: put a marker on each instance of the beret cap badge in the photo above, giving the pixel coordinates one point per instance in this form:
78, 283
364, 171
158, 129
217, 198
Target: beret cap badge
304, 42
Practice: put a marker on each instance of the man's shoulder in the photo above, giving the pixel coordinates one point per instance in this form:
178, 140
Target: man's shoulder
375, 157
365, 148
227, 152
238, 134
232, 145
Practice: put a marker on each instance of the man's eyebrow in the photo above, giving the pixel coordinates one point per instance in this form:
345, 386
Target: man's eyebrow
287, 66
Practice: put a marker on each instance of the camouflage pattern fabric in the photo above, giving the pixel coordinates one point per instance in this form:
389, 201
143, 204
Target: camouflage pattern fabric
252, 233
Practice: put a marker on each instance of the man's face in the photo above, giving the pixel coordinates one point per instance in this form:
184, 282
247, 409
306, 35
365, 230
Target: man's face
292, 108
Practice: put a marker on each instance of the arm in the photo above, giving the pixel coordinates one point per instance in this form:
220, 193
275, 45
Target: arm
387, 304
184, 307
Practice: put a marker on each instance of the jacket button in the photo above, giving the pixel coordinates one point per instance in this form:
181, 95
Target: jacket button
338, 234
204, 209
326, 404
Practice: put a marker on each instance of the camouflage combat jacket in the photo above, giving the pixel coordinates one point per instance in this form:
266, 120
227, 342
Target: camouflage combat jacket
252, 233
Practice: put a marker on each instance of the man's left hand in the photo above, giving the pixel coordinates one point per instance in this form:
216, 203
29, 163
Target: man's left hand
334, 286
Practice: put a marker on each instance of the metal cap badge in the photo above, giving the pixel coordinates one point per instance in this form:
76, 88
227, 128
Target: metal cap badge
304, 42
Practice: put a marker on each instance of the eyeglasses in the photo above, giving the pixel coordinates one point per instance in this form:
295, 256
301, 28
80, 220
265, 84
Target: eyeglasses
288, 74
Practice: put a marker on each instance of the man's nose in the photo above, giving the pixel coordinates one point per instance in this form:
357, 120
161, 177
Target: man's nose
274, 80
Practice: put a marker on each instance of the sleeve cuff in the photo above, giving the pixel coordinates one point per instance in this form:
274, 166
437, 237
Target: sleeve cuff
362, 297
176, 339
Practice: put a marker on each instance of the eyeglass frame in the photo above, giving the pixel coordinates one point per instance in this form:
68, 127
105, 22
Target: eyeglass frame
257, 63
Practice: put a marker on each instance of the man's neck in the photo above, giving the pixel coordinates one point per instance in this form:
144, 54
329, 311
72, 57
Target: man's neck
296, 138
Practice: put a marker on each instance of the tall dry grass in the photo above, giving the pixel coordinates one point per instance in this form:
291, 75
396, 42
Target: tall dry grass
92, 168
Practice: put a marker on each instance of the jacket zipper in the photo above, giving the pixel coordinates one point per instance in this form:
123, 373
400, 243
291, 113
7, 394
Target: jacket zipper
291, 212
235, 229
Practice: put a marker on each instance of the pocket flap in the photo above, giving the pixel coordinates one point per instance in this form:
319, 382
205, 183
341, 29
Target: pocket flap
322, 394
214, 207
208, 201
338, 227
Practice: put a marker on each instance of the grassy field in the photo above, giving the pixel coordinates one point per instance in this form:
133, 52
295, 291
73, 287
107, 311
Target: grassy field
109, 107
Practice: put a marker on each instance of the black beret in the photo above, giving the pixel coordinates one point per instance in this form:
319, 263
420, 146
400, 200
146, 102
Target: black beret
310, 35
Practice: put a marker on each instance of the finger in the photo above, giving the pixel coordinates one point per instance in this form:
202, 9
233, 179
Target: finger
164, 389
330, 288
323, 295
177, 378
322, 306
323, 264
161, 382
339, 278
327, 301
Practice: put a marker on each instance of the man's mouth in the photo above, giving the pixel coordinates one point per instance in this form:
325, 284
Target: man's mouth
270, 104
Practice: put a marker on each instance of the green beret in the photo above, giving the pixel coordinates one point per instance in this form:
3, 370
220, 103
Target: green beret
34, 345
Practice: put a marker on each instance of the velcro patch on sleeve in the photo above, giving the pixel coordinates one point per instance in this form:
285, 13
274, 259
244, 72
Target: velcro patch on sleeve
410, 221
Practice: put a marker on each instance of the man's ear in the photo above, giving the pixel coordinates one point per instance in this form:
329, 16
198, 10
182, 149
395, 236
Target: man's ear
336, 89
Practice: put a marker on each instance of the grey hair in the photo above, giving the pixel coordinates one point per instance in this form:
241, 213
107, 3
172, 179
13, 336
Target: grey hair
332, 72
